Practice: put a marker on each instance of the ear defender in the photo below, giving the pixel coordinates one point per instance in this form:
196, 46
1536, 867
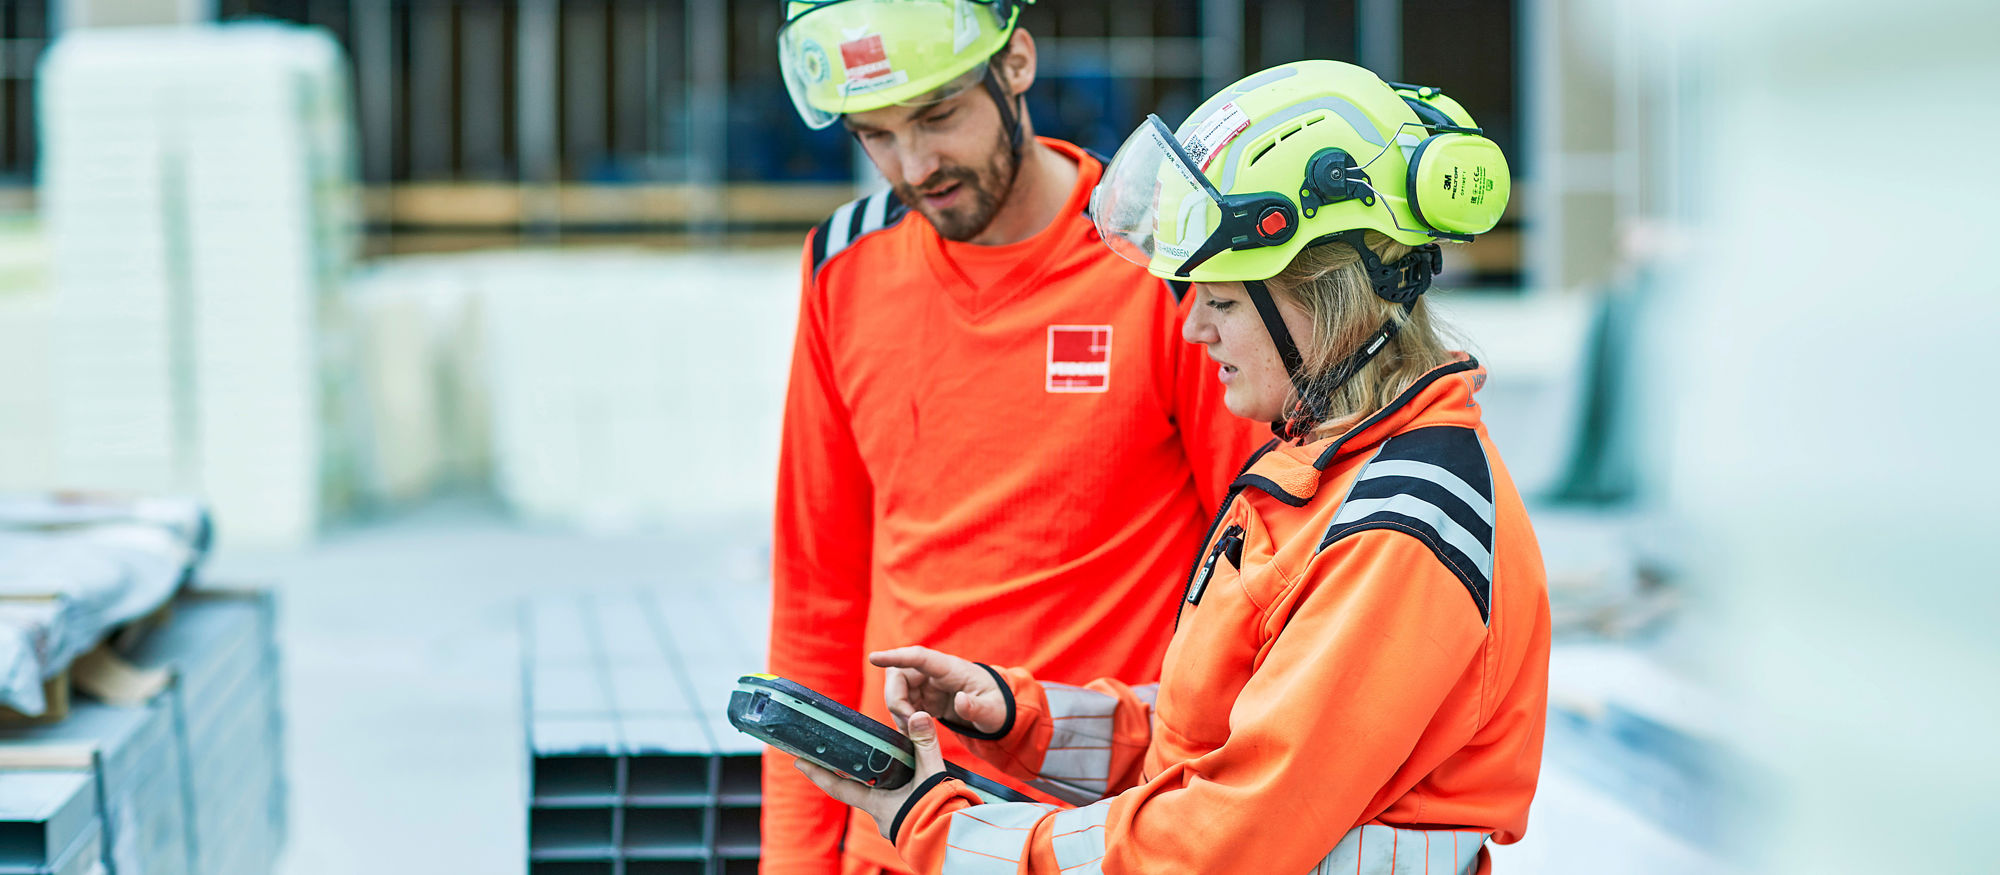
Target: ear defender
1459, 182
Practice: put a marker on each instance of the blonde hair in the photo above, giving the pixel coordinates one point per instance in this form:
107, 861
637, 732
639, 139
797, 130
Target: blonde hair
1330, 284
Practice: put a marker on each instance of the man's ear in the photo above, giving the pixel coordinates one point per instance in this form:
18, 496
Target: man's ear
1017, 66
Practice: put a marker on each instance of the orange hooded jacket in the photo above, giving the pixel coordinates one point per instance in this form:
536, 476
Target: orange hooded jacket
1006, 467
1358, 681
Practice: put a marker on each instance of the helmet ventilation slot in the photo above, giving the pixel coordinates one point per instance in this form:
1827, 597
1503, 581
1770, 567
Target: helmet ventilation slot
1282, 136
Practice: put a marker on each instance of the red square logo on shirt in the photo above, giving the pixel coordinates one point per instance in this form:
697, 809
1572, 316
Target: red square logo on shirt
1079, 358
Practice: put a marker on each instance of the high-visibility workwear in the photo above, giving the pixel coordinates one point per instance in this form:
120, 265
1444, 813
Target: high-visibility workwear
1358, 681
1004, 459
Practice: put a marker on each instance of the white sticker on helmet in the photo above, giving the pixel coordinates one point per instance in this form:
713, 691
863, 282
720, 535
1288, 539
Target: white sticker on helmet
1214, 132
964, 27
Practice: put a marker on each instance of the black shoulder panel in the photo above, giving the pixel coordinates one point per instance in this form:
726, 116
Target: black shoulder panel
1435, 485
854, 220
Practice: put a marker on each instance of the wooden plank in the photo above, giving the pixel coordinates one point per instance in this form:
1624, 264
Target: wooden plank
501, 205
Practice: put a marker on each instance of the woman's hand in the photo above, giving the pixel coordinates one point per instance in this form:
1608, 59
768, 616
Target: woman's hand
883, 805
920, 679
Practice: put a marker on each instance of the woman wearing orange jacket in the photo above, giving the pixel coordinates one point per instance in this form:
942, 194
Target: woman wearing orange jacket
1358, 677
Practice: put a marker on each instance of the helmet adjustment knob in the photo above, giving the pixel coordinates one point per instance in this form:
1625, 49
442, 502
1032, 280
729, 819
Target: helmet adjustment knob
1273, 223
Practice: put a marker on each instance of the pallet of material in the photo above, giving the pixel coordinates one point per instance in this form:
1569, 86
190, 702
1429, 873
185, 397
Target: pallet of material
634, 767
74, 568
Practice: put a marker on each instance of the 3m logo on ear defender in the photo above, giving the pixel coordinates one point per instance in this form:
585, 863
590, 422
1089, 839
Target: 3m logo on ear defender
1450, 179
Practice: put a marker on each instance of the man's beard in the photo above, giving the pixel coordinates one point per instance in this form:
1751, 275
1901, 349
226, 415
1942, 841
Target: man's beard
981, 195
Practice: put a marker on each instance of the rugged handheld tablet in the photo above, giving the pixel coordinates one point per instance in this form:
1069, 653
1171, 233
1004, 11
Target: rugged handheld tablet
793, 718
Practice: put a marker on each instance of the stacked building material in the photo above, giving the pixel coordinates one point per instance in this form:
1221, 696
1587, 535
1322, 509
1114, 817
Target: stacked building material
197, 185
48, 824
187, 780
635, 768
224, 707
27, 396
73, 568
133, 758
597, 363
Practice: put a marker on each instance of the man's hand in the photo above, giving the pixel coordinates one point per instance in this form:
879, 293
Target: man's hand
920, 679
884, 804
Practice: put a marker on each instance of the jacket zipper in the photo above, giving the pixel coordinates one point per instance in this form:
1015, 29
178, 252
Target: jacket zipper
1200, 560
1229, 546
1221, 511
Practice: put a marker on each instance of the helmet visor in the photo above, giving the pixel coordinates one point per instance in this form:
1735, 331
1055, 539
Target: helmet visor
1154, 207
844, 56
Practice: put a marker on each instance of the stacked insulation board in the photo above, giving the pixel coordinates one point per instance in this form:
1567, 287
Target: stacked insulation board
635, 768
596, 362
189, 782
197, 184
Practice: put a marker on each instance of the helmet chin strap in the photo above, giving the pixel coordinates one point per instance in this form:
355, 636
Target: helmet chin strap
1009, 118
1401, 282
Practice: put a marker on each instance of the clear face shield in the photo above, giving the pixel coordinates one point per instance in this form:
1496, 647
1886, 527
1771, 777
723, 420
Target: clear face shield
1157, 208
846, 56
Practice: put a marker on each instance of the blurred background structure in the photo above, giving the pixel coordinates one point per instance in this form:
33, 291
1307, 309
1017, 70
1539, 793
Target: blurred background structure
439, 305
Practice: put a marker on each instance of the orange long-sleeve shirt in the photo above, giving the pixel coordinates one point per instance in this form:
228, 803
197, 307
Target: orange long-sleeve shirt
1019, 467
1358, 683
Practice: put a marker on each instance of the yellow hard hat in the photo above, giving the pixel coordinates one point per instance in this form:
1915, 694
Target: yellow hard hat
848, 56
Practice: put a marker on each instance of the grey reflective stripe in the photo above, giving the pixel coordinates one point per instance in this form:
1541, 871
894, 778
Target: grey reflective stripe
1427, 471
1352, 114
1373, 849
1078, 839
1259, 80
1249, 84
873, 216
1148, 693
836, 228
991, 839
1078, 762
1427, 513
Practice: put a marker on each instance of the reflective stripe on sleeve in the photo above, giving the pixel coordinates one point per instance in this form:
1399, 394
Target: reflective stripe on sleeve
874, 214
1078, 839
1148, 693
1373, 849
1460, 489
837, 229
1077, 767
991, 839
1430, 515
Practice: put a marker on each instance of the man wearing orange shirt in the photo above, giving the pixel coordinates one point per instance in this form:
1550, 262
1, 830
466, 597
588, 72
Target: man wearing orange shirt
967, 352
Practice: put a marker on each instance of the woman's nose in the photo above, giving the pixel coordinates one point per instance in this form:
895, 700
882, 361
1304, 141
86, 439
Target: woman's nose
1193, 329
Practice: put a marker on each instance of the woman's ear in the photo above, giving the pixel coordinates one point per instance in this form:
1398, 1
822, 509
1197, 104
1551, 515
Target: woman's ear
1017, 67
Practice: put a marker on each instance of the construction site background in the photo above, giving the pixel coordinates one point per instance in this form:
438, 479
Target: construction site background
443, 305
